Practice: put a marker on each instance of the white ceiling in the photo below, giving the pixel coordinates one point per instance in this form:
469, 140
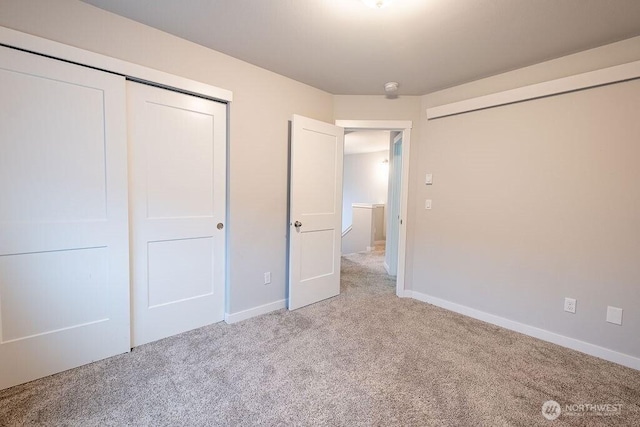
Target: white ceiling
345, 47
366, 141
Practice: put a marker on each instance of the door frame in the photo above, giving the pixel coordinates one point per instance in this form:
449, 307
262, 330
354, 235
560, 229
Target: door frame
405, 127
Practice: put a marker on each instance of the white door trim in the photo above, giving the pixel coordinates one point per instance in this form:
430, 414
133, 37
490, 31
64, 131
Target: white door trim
403, 126
42, 46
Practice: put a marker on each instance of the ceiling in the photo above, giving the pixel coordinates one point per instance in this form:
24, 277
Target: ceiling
346, 47
366, 141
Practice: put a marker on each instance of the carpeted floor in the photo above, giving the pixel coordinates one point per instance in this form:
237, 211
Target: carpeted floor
364, 358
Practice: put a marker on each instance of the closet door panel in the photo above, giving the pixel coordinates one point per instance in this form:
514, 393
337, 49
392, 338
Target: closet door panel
178, 203
64, 266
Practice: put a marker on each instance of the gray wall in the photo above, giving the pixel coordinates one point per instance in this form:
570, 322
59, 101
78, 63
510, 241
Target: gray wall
537, 201
532, 202
263, 104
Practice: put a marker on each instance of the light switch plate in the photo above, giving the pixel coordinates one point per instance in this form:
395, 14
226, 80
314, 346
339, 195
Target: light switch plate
427, 204
614, 315
428, 179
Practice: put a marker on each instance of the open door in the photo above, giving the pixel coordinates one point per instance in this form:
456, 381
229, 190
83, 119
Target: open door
315, 211
393, 217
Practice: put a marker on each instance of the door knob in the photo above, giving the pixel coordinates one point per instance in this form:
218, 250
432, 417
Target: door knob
297, 224
220, 226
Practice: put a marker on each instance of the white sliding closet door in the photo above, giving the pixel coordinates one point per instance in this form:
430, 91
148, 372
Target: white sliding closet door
64, 266
177, 148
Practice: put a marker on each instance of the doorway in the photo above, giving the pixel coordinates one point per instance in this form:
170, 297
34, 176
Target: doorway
316, 154
395, 211
365, 191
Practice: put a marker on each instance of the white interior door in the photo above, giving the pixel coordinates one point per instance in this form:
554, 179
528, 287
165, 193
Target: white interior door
64, 264
177, 149
315, 211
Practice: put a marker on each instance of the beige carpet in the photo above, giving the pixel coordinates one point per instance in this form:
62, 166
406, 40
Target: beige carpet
365, 358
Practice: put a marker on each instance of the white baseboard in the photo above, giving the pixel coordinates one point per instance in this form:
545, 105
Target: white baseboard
564, 341
404, 293
255, 311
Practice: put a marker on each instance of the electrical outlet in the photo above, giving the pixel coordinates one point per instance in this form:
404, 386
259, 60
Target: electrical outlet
267, 277
614, 315
570, 305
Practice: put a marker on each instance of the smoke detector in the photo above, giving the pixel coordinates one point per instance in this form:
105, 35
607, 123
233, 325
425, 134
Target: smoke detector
391, 87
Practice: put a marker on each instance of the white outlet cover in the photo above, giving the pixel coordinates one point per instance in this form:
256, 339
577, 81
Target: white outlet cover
614, 315
570, 305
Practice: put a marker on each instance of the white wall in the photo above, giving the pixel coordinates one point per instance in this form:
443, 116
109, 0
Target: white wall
367, 220
365, 181
536, 201
263, 104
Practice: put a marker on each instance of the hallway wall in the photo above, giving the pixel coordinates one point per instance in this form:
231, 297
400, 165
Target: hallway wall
365, 180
